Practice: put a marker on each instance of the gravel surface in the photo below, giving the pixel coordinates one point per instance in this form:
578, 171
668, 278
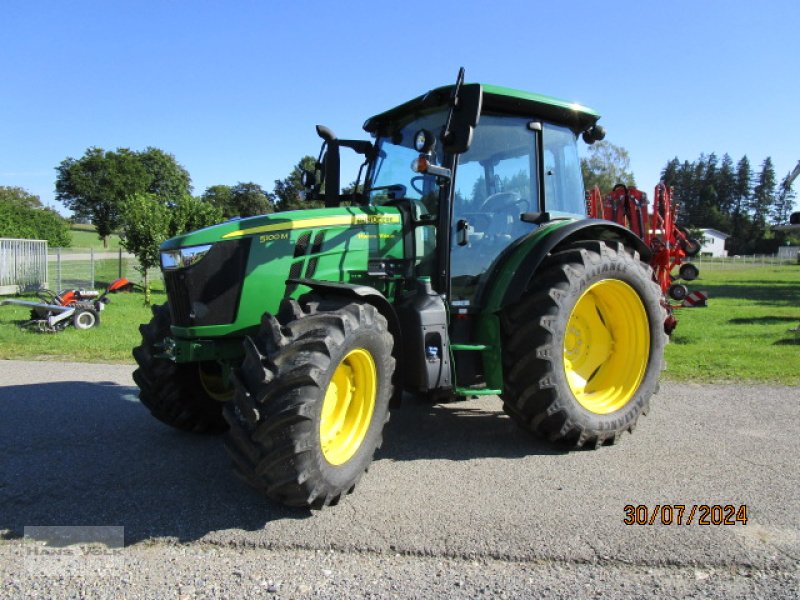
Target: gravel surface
459, 502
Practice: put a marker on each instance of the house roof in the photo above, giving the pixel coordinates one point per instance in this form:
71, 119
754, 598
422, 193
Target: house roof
715, 233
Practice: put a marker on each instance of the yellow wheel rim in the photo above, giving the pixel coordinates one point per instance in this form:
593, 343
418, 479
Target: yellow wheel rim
214, 385
348, 406
606, 346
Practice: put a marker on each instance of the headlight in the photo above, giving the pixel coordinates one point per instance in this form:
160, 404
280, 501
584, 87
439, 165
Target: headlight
183, 257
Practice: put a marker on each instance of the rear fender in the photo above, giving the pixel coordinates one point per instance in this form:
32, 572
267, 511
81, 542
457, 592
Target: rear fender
509, 287
514, 274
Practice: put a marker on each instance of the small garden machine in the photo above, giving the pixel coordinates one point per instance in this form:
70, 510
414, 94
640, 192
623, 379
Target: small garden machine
81, 308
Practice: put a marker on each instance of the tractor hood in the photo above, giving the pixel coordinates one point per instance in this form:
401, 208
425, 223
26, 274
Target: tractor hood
270, 226
220, 280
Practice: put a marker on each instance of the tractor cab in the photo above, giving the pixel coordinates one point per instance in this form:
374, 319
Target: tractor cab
475, 168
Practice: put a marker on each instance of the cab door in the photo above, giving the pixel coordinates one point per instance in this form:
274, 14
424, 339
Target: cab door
496, 181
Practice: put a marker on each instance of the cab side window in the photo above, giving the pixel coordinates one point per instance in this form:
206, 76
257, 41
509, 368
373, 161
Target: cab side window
563, 184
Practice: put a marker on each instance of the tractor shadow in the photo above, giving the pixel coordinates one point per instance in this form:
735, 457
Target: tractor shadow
457, 431
88, 454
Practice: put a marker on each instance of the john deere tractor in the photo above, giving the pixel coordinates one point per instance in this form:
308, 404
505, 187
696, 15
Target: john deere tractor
462, 265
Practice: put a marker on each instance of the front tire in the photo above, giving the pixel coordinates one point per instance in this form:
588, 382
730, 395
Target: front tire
583, 351
174, 393
311, 400
85, 318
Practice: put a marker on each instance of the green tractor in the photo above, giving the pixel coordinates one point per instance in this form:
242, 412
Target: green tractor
463, 265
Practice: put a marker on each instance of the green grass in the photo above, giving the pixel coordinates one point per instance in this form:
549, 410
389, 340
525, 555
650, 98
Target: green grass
87, 238
743, 334
111, 342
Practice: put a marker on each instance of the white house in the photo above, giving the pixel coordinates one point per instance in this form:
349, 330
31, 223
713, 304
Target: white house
713, 242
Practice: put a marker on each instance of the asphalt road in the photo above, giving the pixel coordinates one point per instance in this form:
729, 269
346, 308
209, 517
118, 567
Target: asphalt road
459, 502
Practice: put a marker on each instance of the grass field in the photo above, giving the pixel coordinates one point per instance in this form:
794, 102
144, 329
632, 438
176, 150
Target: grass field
743, 335
85, 236
111, 342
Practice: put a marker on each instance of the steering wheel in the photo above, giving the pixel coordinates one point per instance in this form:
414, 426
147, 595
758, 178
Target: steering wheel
504, 202
417, 180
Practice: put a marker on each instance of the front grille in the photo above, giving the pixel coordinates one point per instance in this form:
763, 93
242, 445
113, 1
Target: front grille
207, 293
179, 302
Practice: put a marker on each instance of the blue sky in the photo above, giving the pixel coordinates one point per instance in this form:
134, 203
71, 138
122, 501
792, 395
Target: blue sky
234, 89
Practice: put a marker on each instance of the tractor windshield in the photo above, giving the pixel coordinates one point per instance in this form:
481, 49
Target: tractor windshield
391, 175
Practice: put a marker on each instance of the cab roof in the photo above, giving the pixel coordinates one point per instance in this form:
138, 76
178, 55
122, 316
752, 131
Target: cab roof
496, 99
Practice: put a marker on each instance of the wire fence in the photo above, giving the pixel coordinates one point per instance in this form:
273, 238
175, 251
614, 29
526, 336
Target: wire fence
87, 268
751, 260
92, 269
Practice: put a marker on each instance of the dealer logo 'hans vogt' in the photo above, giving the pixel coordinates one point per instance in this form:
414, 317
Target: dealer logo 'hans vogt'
58, 551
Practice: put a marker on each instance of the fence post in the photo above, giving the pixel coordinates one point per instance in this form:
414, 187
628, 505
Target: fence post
58, 269
91, 268
120, 263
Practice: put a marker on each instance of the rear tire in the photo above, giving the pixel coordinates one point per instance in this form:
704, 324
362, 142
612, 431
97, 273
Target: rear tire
312, 396
173, 393
582, 352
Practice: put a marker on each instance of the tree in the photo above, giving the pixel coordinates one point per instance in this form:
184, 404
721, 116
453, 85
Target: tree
190, 214
288, 191
221, 196
726, 184
784, 202
167, 178
147, 226
97, 184
763, 197
22, 216
242, 200
251, 200
17, 196
606, 166
742, 190
148, 222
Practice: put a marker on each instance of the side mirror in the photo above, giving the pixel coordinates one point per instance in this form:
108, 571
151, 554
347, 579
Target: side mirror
465, 118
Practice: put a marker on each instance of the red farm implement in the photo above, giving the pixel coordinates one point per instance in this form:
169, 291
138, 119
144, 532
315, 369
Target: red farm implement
670, 243
55, 311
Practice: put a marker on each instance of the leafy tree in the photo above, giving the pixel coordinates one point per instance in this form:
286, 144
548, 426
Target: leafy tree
241, 200
147, 226
97, 184
22, 216
167, 178
251, 200
16, 196
189, 214
606, 166
148, 222
221, 196
288, 191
